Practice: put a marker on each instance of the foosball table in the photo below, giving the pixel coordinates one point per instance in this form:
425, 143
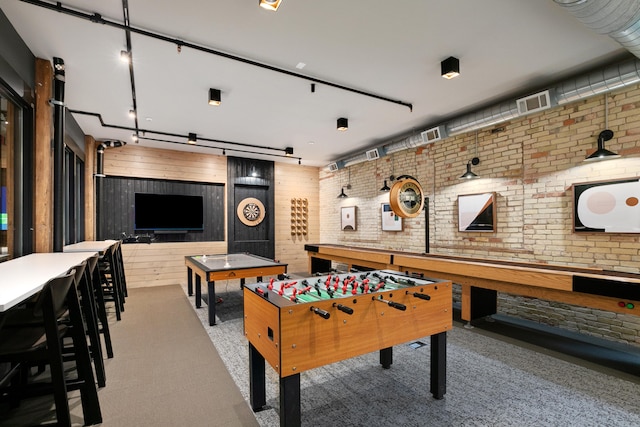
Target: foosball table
298, 325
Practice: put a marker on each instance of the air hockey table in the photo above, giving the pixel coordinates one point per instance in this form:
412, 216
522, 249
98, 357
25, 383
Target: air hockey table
226, 267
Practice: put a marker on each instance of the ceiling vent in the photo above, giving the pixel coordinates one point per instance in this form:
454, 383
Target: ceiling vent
373, 154
538, 102
336, 166
432, 135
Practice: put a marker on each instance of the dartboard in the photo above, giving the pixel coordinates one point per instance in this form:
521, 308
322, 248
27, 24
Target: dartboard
250, 211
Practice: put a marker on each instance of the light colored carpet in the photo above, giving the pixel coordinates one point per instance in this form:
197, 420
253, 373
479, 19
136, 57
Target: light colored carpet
165, 372
490, 382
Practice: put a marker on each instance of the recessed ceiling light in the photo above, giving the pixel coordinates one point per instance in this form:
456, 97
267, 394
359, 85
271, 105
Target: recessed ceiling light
149, 119
301, 65
311, 142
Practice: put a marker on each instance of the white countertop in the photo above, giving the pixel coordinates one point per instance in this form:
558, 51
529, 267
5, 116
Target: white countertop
23, 277
99, 246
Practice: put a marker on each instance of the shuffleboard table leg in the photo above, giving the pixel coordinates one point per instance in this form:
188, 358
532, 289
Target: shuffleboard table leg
189, 281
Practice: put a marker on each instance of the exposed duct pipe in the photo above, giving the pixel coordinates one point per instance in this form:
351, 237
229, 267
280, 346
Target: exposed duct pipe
58, 154
600, 81
103, 145
619, 19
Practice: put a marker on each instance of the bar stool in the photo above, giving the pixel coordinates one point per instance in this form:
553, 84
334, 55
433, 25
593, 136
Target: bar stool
88, 304
110, 280
41, 343
120, 262
96, 282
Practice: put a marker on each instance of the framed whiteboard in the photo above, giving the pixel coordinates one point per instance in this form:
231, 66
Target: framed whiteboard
390, 221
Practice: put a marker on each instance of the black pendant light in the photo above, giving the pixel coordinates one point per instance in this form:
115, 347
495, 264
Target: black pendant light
385, 187
602, 153
468, 174
342, 195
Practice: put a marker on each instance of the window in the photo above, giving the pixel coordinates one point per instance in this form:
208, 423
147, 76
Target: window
16, 171
73, 197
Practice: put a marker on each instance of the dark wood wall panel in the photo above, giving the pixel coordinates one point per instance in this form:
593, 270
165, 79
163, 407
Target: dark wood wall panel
116, 207
250, 178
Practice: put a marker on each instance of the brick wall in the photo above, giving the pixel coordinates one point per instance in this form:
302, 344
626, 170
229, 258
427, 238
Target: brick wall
531, 164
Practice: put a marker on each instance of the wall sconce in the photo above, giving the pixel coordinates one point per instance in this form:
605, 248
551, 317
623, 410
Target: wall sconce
385, 187
468, 174
450, 67
214, 97
343, 124
272, 5
602, 153
288, 151
342, 195
192, 138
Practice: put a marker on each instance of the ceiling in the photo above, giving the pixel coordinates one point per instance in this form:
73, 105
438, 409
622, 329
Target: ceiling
369, 61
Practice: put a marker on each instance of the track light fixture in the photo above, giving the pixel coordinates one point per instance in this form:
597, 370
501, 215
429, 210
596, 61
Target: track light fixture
288, 151
125, 56
192, 138
450, 67
342, 195
132, 114
343, 124
468, 174
385, 187
214, 97
134, 137
272, 5
602, 153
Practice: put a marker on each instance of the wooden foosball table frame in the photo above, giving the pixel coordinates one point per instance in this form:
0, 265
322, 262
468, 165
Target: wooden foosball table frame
293, 339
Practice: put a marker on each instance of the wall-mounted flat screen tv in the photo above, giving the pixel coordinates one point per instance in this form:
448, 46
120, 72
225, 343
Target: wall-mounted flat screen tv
168, 212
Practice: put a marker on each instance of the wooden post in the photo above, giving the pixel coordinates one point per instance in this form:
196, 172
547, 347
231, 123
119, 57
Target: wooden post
43, 233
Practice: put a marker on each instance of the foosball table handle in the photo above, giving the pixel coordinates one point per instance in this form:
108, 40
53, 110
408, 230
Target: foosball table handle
320, 312
343, 308
418, 295
397, 305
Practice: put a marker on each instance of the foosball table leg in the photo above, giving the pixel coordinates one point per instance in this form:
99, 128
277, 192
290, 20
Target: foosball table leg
386, 357
290, 415
439, 365
257, 385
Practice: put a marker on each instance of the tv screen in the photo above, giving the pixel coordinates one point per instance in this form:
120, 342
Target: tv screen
168, 212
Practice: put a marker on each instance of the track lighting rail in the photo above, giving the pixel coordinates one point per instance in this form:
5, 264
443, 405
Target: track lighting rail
98, 19
287, 150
